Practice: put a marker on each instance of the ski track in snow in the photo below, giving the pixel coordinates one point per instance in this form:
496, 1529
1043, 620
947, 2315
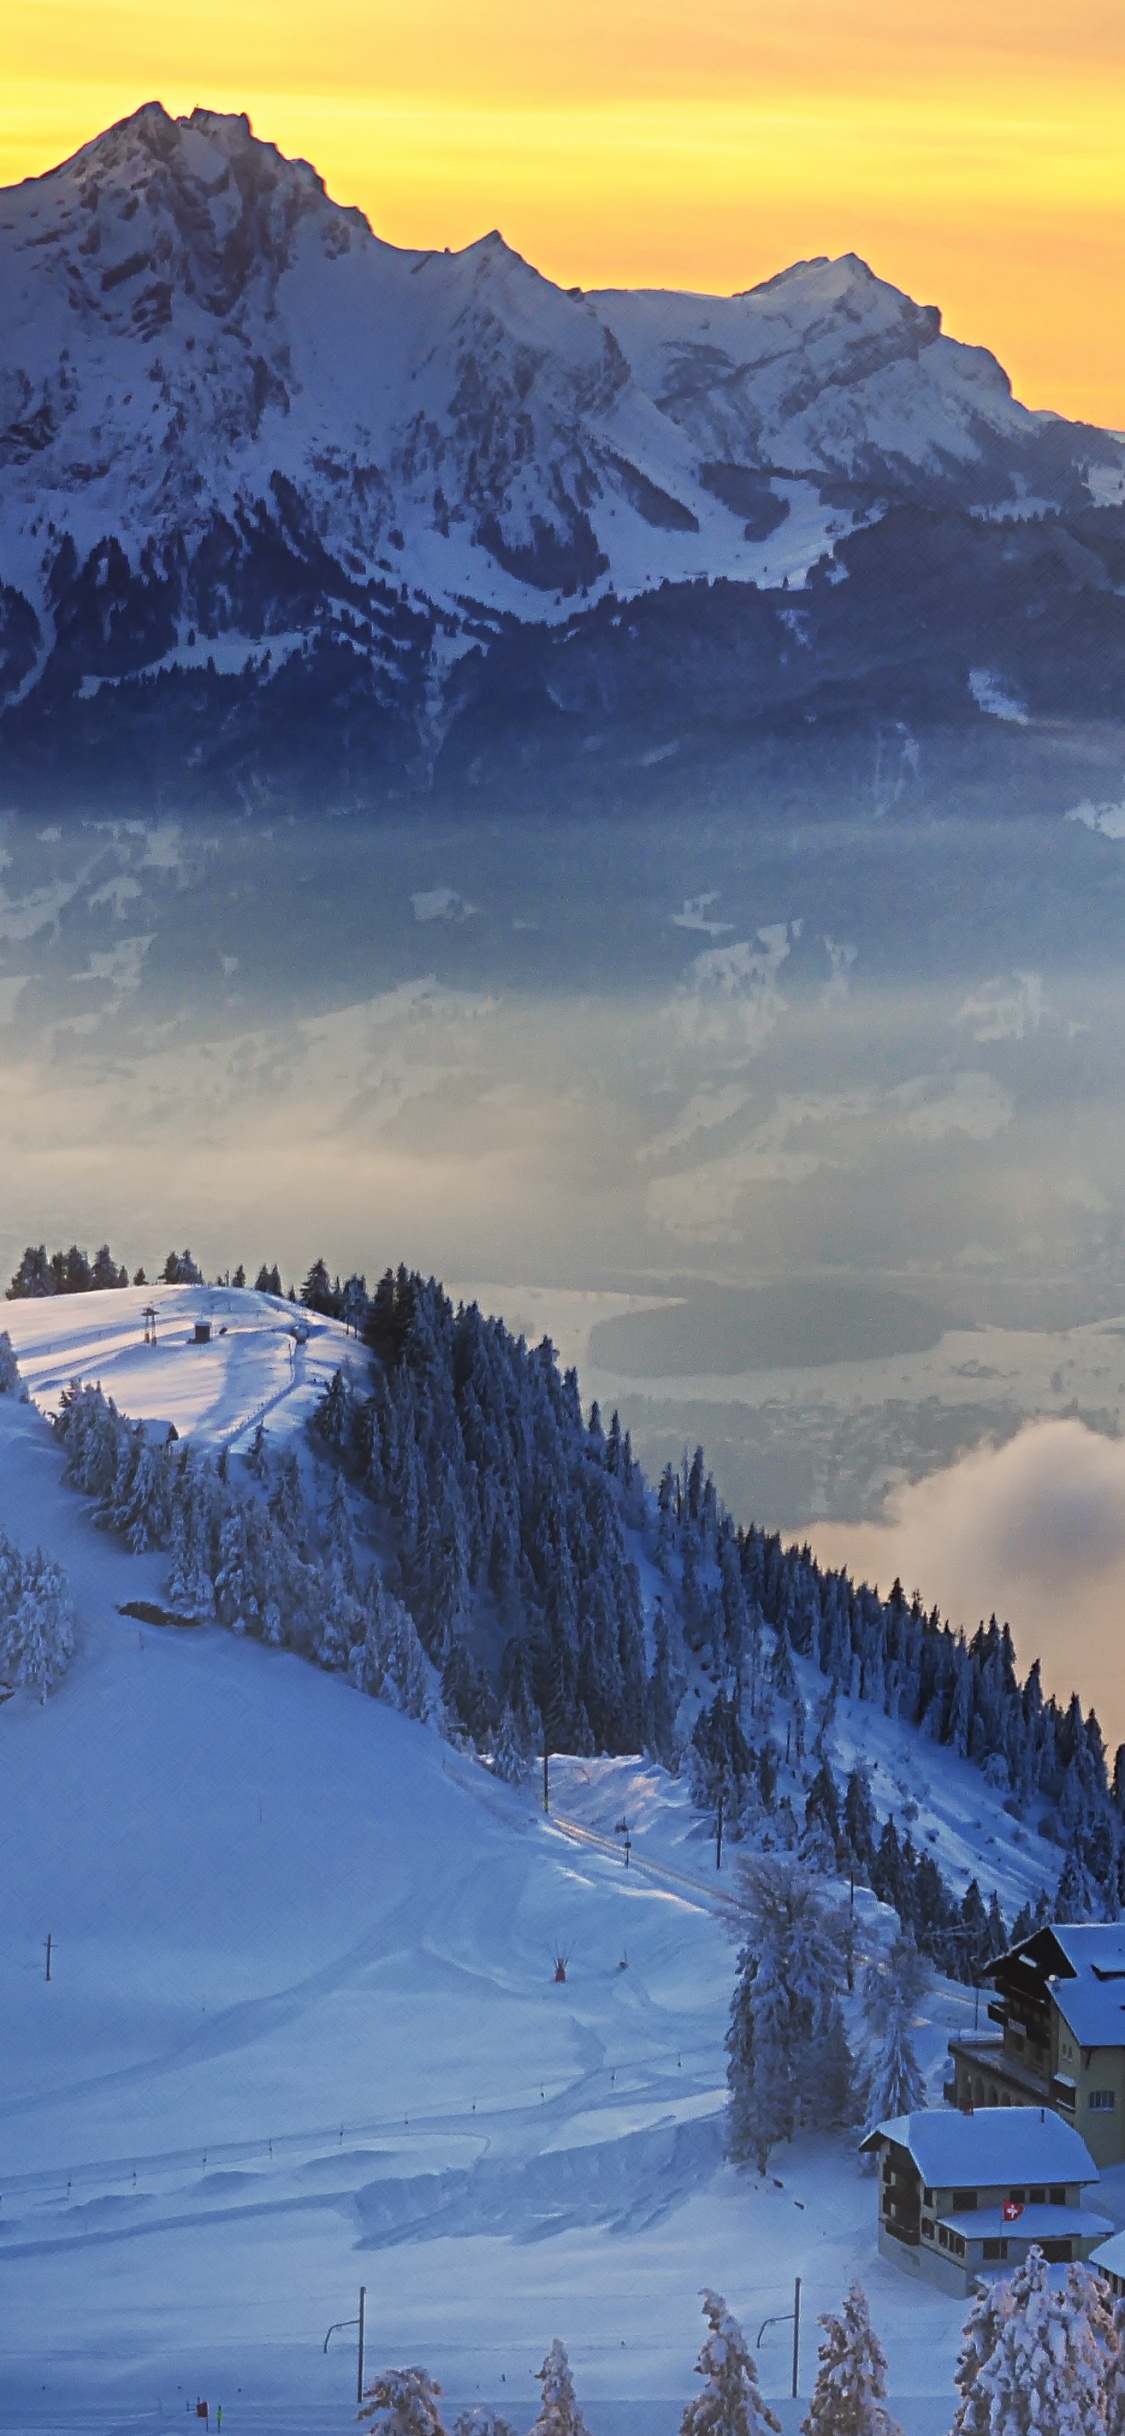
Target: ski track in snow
302, 2028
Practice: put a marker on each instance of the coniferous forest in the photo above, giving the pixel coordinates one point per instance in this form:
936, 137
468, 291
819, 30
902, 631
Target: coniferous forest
462, 1539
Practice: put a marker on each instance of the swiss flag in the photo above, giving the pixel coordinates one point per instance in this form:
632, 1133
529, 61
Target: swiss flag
1012, 2209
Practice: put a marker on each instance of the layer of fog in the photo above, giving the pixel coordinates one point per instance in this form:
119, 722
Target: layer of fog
884, 1062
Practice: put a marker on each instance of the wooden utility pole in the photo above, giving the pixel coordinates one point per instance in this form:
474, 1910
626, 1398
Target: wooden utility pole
719, 1835
50, 1942
546, 1781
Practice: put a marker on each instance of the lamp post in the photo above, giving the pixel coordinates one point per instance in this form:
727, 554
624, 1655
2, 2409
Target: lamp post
341, 2327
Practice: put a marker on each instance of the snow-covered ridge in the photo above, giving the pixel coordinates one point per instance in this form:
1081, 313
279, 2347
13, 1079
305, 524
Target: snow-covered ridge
268, 1359
227, 406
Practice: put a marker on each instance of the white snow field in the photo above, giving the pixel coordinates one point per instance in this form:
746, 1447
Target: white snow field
302, 2030
268, 1359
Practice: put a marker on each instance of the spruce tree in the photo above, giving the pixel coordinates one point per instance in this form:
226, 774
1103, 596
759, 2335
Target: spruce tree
849, 2397
893, 2082
1046, 2368
665, 1691
859, 1816
732, 2402
11, 1383
402, 2402
558, 2413
511, 1758
762, 2106
1114, 2344
788, 2056
34, 1277
37, 1622
981, 2333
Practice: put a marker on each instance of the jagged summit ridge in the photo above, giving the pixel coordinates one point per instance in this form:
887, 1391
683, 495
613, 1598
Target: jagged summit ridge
232, 417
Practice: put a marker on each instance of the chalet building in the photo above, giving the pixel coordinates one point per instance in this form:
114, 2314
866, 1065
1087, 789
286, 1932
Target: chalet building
963, 2196
1059, 2008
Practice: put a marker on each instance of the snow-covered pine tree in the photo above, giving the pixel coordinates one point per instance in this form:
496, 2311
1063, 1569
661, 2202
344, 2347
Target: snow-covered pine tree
482, 2422
105, 1272
234, 1594
11, 1383
1076, 1899
558, 2413
342, 1623
402, 2402
665, 1691
849, 2397
33, 1276
787, 2049
760, 2075
892, 2079
1115, 2370
181, 1270
339, 1534
1047, 2362
511, 1760
732, 2402
37, 1623
990, 2307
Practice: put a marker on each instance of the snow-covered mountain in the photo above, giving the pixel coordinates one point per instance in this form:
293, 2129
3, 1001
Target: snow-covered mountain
242, 438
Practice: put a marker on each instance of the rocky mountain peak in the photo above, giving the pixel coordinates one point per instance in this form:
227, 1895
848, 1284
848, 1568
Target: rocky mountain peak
233, 419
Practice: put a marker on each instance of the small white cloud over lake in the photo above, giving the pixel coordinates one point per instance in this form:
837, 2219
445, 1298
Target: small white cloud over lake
1107, 819
440, 905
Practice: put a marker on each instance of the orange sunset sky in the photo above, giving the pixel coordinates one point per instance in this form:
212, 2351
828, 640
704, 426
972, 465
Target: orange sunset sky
972, 150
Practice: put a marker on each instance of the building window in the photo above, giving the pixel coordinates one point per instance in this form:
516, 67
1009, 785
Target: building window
943, 2237
927, 2228
1058, 2196
966, 2199
957, 2245
996, 2249
1100, 2101
1036, 2199
927, 2199
1018, 2196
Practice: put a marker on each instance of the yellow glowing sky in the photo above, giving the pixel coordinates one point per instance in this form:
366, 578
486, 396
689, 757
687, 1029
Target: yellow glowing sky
972, 150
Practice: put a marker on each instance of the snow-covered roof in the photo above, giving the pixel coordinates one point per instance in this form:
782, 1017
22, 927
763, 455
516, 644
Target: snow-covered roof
994, 2146
1094, 1945
1092, 2004
1110, 2255
1035, 2224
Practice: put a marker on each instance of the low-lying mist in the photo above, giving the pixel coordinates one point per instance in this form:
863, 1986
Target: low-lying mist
843, 1105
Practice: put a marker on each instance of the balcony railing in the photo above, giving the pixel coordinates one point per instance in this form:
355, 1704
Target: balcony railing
991, 2060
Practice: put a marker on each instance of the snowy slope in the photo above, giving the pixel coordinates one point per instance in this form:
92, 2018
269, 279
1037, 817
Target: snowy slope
230, 414
302, 2029
267, 1361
